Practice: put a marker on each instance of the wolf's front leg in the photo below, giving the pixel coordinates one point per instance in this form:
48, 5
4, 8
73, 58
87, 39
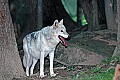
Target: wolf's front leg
51, 56
42, 65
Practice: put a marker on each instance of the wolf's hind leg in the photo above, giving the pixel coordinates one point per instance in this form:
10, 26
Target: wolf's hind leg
28, 64
33, 65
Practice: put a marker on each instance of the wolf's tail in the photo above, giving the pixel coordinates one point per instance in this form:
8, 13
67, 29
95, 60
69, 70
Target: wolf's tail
24, 61
27, 61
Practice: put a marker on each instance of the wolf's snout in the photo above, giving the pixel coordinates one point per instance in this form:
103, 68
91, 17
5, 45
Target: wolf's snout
68, 38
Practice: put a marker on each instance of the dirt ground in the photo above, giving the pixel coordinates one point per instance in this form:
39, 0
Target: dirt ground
63, 72
72, 72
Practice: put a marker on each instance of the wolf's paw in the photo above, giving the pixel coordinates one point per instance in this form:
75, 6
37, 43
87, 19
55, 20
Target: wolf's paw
32, 74
27, 74
42, 76
53, 75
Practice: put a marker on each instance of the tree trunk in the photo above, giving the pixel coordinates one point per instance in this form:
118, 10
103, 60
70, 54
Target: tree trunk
90, 8
10, 63
95, 15
101, 14
79, 15
39, 14
49, 13
117, 49
31, 15
30, 19
86, 6
111, 24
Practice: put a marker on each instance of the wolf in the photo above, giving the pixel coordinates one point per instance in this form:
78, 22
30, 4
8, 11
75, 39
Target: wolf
39, 44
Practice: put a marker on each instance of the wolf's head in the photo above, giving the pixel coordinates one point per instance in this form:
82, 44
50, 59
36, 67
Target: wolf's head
60, 32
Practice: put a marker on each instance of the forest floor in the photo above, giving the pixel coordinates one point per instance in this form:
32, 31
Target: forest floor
102, 71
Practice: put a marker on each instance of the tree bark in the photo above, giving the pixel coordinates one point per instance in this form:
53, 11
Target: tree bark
31, 16
111, 24
10, 63
87, 11
49, 13
95, 15
117, 73
117, 49
30, 19
79, 15
90, 8
101, 14
39, 14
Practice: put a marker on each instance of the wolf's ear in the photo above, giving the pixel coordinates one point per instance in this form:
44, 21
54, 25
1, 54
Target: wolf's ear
55, 24
61, 22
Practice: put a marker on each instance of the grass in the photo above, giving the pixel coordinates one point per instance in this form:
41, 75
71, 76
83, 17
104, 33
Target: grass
100, 75
100, 72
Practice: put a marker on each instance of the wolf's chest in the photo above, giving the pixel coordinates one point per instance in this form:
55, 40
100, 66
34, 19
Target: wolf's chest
46, 52
36, 53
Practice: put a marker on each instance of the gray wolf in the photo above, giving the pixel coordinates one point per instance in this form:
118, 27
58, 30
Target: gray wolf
39, 44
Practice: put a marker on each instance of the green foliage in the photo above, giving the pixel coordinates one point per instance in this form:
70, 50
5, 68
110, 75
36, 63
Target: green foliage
71, 8
69, 68
100, 72
74, 18
109, 61
84, 22
97, 69
97, 74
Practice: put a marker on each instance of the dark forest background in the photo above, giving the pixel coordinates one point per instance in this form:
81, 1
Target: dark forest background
31, 15
20, 17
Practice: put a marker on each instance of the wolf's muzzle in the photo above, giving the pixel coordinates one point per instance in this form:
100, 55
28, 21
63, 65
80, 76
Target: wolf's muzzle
69, 37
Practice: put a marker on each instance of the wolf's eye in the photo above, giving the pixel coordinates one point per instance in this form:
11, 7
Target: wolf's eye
61, 30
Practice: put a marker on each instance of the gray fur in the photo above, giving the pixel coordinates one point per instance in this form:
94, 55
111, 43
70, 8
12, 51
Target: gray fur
39, 44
